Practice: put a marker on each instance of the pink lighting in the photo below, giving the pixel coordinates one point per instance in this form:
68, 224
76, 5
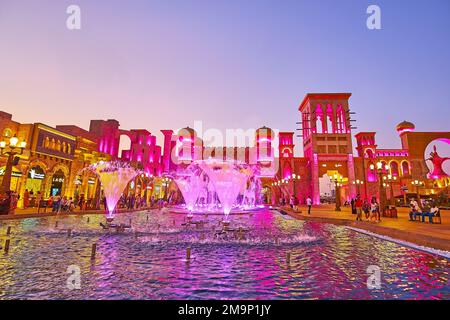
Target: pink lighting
402, 131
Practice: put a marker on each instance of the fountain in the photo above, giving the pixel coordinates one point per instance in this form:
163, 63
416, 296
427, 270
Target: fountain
214, 186
114, 177
189, 186
228, 180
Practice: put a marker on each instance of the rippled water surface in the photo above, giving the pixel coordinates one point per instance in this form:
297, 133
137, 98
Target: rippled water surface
149, 262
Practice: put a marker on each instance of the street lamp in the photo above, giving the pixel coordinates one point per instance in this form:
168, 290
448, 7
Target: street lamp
381, 188
337, 179
358, 183
166, 183
294, 179
10, 149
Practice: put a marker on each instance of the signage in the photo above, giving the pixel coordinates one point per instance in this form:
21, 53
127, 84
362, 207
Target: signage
15, 172
35, 175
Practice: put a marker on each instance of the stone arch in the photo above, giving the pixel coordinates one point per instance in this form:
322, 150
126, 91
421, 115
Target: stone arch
125, 139
7, 132
37, 162
369, 153
49, 176
406, 168
394, 168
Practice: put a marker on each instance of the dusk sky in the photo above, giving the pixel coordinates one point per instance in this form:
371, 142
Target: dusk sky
231, 64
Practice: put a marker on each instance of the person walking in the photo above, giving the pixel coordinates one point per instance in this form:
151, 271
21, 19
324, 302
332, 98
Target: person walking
374, 208
296, 203
366, 209
309, 204
38, 200
26, 199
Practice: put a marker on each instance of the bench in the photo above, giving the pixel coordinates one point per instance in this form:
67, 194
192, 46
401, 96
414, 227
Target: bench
434, 219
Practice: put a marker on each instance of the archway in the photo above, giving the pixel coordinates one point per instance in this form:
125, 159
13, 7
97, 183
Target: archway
327, 188
57, 183
125, 146
35, 179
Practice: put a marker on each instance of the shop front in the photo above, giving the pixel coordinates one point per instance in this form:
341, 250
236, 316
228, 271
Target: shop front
35, 180
15, 178
57, 183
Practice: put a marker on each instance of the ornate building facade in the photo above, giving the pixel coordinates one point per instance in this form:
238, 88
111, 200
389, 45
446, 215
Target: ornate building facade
328, 152
54, 158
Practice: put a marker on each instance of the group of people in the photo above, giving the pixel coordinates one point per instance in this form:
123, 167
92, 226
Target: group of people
61, 204
371, 210
294, 203
426, 210
130, 201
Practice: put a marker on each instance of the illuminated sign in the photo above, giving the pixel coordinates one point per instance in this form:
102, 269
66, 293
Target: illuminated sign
16, 173
33, 174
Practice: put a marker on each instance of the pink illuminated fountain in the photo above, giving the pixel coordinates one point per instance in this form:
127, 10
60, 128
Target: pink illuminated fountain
215, 186
114, 177
228, 179
189, 186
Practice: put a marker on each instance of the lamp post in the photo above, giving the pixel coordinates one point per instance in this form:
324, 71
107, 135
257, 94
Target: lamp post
10, 149
337, 179
418, 184
166, 183
381, 188
294, 179
358, 183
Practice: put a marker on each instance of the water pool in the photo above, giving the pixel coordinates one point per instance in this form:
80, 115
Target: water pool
326, 261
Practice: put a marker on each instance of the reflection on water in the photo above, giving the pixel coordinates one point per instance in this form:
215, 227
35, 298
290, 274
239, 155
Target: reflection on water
326, 262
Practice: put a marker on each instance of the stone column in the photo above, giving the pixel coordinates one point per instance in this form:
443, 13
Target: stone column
351, 175
315, 179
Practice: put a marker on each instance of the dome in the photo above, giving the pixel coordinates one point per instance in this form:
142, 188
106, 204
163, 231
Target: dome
405, 126
187, 133
265, 132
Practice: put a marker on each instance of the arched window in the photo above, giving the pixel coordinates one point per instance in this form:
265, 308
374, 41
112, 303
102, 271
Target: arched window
340, 118
64, 147
394, 169
53, 144
46, 142
405, 168
369, 153
69, 148
319, 119
7, 133
330, 126
58, 145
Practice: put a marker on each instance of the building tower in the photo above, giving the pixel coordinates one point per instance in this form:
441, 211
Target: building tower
327, 141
